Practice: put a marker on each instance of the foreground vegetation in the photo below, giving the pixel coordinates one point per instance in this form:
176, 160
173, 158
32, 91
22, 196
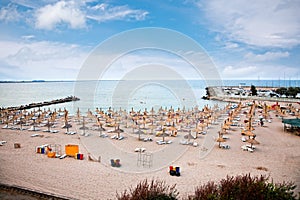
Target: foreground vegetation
239, 187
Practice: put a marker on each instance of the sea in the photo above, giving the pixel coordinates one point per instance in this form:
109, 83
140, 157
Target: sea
124, 94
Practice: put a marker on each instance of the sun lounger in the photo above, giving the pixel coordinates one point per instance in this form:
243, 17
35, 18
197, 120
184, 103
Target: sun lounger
249, 146
160, 142
139, 149
184, 142
195, 144
63, 156
169, 141
114, 137
243, 139
103, 135
35, 135
5, 127
121, 138
225, 137
2, 143
33, 129
54, 131
225, 146
244, 147
250, 150
147, 139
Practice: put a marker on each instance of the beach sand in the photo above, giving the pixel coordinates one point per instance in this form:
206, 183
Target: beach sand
278, 154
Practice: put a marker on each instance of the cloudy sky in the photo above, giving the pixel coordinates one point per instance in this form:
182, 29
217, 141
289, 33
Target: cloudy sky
50, 39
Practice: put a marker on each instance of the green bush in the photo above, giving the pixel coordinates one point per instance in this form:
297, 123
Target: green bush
244, 187
239, 187
150, 191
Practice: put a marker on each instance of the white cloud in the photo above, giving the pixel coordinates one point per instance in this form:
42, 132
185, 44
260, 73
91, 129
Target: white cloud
105, 12
266, 56
62, 12
28, 37
245, 71
239, 72
9, 13
73, 14
43, 60
268, 23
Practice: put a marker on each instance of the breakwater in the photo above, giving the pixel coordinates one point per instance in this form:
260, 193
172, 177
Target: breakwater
41, 104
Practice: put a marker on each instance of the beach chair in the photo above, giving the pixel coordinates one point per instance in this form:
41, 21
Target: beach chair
114, 137
183, 142
63, 156
250, 150
244, 147
121, 138
2, 143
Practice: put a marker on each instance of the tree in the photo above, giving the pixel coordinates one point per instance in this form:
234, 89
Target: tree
293, 91
281, 91
253, 90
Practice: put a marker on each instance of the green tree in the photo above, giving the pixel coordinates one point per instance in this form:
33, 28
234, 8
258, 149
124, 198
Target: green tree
281, 91
253, 90
293, 91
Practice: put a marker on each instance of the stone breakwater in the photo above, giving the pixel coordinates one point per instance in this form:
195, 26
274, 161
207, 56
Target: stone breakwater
41, 104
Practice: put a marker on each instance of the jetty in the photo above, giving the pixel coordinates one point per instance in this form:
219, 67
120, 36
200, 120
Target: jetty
41, 104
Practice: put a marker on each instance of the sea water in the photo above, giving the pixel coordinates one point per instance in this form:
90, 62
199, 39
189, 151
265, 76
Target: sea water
124, 94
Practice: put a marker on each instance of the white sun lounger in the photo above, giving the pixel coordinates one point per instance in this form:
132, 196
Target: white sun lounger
5, 127
244, 147
103, 135
2, 143
160, 142
184, 142
63, 156
140, 149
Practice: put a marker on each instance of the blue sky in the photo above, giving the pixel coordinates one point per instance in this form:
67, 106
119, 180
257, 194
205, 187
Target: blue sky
245, 39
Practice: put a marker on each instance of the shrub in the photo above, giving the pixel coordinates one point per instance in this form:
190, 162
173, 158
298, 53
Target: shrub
150, 191
244, 187
239, 187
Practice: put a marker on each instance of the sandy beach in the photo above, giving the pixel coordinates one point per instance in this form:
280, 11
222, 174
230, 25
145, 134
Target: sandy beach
277, 156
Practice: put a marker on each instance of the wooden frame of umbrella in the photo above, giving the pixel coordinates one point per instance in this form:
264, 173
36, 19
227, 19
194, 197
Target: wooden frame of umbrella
117, 130
220, 139
189, 136
100, 126
252, 141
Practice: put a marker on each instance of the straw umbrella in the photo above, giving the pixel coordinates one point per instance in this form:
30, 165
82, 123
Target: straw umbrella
220, 139
252, 141
189, 136
117, 130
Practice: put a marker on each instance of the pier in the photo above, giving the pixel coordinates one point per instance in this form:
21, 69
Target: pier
41, 104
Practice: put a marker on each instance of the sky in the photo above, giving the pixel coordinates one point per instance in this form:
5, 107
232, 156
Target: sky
51, 39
